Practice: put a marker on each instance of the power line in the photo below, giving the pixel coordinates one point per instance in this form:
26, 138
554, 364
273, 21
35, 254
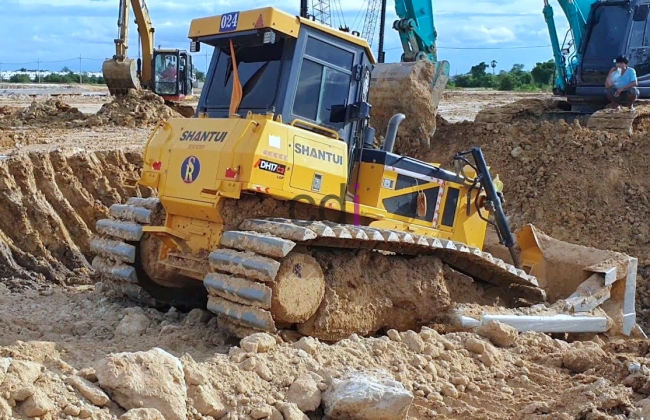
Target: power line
386, 49
53, 61
483, 48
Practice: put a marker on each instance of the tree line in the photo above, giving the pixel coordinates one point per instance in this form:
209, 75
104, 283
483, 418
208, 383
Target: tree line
64, 76
539, 78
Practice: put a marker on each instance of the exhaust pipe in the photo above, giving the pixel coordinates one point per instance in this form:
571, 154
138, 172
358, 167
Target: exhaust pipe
391, 131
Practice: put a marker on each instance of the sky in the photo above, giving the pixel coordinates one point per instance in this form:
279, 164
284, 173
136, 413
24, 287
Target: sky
57, 33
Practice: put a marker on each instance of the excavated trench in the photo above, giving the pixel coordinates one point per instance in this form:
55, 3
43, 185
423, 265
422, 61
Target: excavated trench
49, 203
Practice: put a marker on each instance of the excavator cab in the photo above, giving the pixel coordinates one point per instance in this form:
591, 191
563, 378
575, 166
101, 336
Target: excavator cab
173, 74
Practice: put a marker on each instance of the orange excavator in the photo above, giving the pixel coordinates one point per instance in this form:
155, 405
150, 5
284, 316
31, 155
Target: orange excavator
166, 72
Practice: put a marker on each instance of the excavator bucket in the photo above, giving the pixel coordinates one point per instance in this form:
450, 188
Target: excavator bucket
411, 88
588, 290
120, 76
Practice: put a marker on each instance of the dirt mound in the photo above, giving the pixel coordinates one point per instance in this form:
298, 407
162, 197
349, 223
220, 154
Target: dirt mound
49, 203
578, 185
51, 111
137, 109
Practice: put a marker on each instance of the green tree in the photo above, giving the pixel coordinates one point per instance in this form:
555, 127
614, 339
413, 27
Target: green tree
478, 71
507, 82
542, 73
20, 78
517, 68
515, 79
200, 76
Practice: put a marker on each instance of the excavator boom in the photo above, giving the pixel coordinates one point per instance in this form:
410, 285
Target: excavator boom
566, 61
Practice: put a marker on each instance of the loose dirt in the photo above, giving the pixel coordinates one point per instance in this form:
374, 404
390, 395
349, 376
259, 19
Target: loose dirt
137, 109
77, 332
575, 184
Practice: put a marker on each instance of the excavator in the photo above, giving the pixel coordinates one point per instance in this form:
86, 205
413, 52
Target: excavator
417, 32
166, 72
274, 209
599, 31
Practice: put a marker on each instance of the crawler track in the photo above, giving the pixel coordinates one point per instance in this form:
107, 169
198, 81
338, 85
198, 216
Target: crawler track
244, 275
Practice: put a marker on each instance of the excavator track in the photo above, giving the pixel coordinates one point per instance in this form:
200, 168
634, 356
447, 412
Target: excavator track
244, 270
118, 254
259, 279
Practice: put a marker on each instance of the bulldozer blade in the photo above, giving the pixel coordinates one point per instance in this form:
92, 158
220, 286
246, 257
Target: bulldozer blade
389, 81
581, 283
120, 76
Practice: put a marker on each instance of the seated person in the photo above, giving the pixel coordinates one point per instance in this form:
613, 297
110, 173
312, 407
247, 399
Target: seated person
620, 86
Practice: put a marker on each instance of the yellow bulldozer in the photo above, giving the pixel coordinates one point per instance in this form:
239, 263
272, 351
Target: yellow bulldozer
279, 172
166, 72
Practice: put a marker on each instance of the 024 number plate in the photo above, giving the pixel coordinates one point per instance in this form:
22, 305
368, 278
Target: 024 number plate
229, 22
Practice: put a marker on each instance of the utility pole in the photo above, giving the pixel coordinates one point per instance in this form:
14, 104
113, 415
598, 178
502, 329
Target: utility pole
304, 8
38, 71
80, 78
382, 27
206, 63
1, 73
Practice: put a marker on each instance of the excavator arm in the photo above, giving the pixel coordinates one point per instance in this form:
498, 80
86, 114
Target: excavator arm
416, 29
120, 72
567, 56
122, 40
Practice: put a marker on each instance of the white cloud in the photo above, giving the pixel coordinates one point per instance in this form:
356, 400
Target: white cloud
88, 27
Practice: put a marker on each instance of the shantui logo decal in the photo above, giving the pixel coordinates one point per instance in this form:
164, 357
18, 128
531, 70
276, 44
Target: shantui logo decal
190, 169
319, 154
213, 136
265, 165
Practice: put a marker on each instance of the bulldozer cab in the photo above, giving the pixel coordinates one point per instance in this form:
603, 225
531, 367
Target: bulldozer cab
173, 73
306, 74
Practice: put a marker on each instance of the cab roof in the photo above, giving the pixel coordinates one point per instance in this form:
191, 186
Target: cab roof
266, 17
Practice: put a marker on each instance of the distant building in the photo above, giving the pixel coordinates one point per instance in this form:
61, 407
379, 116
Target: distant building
33, 75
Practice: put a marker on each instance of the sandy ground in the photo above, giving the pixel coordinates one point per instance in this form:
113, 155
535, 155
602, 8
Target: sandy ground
60, 178
463, 105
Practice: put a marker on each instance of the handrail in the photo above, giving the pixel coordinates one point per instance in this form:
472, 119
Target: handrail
316, 126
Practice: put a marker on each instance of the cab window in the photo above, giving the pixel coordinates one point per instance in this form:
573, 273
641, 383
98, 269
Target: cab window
324, 82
